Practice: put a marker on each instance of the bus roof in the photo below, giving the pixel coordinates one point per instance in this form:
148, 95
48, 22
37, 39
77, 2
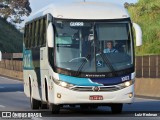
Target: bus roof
83, 10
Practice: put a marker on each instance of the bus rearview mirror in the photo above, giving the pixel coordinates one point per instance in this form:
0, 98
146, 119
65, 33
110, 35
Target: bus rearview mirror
50, 35
138, 32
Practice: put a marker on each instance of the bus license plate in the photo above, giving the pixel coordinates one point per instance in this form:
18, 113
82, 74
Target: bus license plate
96, 97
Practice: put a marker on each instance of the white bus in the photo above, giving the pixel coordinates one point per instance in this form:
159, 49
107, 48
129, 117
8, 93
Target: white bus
64, 58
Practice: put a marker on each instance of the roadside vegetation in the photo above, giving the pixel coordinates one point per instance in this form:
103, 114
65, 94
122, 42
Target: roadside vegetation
13, 11
11, 40
147, 14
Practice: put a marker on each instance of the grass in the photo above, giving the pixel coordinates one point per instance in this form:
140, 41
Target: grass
11, 40
147, 14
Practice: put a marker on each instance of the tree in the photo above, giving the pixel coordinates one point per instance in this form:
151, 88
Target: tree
127, 5
14, 10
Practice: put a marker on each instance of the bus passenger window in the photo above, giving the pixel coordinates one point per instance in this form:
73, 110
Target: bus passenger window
41, 32
30, 35
44, 32
33, 34
26, 36
37, 33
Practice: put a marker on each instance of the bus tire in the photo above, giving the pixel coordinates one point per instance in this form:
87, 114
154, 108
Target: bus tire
116, 108
94, 106
84, 107
72, 106
46, 91
44, 106
55, 109
35, 104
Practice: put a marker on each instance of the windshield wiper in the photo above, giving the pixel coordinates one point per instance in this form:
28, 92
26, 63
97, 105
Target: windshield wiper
106, 60
85, 61
108, 63
82, 65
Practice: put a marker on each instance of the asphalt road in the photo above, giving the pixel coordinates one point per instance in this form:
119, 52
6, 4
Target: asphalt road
12, 98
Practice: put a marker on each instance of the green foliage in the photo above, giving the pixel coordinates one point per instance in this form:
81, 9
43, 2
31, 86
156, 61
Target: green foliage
11, 40
147, 14
14, 10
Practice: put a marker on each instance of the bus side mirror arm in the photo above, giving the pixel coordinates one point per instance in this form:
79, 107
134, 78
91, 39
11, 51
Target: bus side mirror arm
138, 32
50, 35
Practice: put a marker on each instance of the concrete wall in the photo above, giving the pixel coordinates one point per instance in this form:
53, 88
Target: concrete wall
147, 87
14, 65
11, 68
10, 73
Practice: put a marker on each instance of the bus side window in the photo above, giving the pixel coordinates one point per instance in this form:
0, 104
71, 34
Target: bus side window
30, 36
44, 31
26, 36
26, 43
33, 34
37, 33
41, 32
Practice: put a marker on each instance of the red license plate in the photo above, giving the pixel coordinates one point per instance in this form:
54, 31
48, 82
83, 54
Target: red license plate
96, 97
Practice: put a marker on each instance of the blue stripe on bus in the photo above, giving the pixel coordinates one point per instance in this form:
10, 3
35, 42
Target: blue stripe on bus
111, 81
94, 81
78, 81
27, 60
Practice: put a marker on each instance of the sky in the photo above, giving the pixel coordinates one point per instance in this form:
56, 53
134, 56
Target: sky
38, 4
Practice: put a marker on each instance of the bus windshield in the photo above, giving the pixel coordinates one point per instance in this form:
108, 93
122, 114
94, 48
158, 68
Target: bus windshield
93, 46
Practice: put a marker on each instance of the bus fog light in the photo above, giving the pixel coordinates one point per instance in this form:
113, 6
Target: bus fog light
130, 95
58, 95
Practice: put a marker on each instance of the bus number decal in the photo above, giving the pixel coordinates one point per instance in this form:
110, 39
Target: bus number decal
125, 78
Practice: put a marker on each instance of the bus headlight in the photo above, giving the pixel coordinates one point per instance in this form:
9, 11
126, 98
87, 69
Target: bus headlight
63, 84
126, 84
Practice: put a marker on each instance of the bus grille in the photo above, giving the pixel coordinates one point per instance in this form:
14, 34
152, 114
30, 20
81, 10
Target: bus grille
100, 88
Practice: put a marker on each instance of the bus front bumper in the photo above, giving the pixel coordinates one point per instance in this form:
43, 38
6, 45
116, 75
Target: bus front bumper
62, 95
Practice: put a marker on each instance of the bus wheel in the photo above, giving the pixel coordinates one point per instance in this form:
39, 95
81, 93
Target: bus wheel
44, 106
94, 106
73, 106
54, 108
35, 104
116, 108
84, 107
